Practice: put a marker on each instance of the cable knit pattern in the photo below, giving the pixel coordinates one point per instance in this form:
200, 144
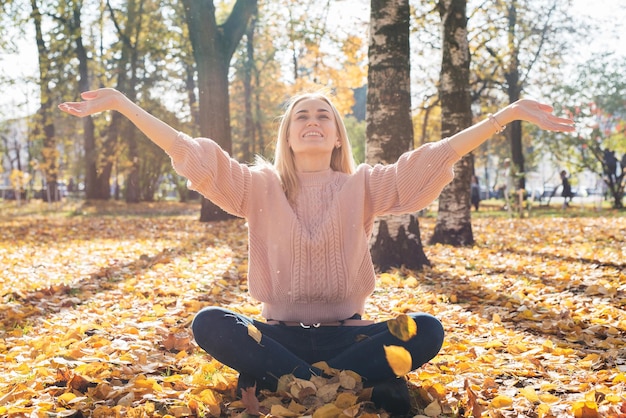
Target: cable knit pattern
310, 262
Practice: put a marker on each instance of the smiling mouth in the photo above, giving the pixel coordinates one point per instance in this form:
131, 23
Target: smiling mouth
314, 133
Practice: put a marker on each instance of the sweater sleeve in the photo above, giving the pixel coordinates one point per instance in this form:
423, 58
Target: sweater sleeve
414, 181
212, 172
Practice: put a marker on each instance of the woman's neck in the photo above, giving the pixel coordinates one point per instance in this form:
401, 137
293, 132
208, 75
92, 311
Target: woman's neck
311, 164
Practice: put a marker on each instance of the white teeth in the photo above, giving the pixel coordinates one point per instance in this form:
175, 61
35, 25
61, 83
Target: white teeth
313, 134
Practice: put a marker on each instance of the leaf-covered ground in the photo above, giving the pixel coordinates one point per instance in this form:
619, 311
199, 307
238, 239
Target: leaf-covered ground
95, 313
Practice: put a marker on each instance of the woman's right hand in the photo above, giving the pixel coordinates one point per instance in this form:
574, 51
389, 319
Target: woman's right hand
94, 101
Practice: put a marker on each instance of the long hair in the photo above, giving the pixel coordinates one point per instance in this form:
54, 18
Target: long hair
284, 163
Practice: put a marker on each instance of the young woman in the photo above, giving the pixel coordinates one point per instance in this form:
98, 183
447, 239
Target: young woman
310, 217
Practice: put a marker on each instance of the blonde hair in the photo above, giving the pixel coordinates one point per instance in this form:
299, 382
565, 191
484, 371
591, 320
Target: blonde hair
284, 163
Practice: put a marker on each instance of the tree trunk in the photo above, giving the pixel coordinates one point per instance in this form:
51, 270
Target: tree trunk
514, 91
213, 47
454, 225
89, 136
132, 190
249, 133
396, 239
44, 123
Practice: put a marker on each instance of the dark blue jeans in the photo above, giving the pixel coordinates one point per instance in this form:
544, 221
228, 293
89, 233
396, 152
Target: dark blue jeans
285, 349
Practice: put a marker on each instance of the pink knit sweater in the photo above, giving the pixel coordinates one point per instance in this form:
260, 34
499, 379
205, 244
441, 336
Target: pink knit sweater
310, 262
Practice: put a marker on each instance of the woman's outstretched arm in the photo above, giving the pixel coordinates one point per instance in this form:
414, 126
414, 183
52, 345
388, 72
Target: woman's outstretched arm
96, 101
526, 110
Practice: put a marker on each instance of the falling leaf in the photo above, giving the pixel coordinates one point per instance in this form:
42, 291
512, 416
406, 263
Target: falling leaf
254, 333
402, 327
399, 359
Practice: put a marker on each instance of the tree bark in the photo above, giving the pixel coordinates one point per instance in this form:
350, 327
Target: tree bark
514, 91
454, 225
44, 126
396, 239
213, 46
89, 136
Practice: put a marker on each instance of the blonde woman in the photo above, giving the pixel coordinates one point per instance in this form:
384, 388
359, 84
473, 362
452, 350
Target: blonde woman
310, 217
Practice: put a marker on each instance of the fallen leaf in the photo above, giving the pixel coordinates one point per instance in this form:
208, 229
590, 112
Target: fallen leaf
501, 401
250, 401
433, 409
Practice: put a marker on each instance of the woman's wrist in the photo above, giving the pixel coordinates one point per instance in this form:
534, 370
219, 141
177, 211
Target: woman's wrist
505, 115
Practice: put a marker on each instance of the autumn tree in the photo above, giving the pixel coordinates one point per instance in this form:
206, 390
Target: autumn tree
306, 52
396, 239
514, 42
595, 99
454, 225
213, 47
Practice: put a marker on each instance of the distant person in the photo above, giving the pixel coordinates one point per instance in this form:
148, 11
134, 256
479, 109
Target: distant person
610, 163
566, 191
310, 216
475, 192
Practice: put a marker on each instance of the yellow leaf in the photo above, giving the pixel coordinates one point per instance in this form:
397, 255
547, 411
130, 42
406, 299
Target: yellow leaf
345, 400
403, 327
411, 282
494, 344
501, 401
144, 383
281, 411
613, 398
327, 411
254, 333
529, 393
399, 359
326, 368
548, 398
543, 410
66, 398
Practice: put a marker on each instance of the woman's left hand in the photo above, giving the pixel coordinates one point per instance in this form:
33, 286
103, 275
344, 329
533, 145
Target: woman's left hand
541, 115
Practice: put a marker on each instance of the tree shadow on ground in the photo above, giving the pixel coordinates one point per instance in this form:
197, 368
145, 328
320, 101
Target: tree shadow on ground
21, 307
527, 315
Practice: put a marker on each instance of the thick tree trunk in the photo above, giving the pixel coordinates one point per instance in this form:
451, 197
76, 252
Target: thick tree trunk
454, 225
213, 47
396, 239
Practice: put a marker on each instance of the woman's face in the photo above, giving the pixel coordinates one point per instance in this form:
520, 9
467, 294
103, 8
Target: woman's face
313, 129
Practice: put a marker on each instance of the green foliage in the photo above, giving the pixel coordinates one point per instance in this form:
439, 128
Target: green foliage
356, 133
595, 99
